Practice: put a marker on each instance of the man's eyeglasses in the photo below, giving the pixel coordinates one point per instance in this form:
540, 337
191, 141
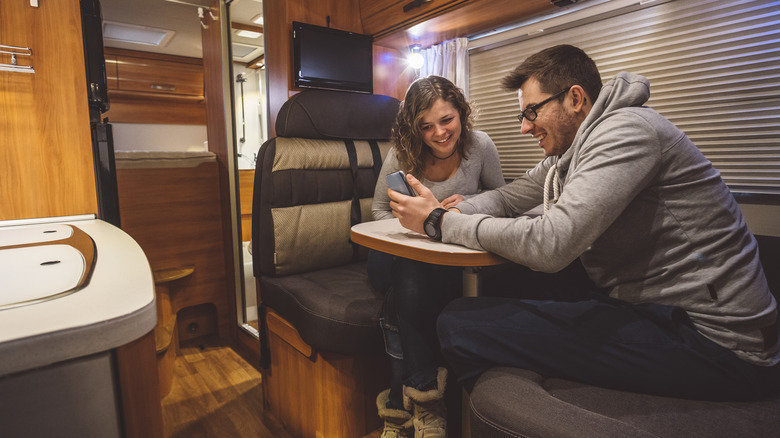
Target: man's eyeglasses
530, 112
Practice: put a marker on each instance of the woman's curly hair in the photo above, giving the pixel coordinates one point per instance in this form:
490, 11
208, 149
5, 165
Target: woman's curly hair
407, 136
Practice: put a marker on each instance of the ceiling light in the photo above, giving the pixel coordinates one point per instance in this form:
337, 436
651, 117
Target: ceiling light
257, 19
415, 58
248, 34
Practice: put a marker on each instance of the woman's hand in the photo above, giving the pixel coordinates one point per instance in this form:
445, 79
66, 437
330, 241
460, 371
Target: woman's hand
412, 211
452, 201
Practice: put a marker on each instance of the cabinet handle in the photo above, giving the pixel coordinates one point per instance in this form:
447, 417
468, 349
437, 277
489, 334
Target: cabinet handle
163, 87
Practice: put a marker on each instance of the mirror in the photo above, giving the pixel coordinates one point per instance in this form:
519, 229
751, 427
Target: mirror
178, 25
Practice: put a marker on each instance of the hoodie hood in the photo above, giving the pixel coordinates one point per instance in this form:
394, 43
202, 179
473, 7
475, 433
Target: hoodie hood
623, 91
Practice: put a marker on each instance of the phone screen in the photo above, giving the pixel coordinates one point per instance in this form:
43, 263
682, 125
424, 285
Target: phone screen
397, 182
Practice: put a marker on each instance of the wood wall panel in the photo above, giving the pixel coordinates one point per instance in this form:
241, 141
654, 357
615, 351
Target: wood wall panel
140, 391
279, 15
246, 187
215, 77
331, 395
174, 215
383, 17
392, 76
468, 19
46, 166
153, 110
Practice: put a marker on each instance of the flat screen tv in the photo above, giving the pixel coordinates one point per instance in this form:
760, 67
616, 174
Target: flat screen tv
332, 59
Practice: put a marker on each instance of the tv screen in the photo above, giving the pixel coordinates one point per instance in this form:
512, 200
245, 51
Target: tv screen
332, 59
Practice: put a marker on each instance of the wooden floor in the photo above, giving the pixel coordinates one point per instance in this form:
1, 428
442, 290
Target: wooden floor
215, 394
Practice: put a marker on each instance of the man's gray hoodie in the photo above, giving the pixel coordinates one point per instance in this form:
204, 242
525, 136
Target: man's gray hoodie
647, 214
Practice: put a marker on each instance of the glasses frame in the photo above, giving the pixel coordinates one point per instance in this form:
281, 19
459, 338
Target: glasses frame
530, 111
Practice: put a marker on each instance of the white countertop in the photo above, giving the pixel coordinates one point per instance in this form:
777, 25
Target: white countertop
115, 307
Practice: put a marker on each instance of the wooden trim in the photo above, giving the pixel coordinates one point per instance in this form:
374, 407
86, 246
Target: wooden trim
139, 388
164, 99
289, 334
248, 346
334, 396
249, 27
427, 256
253, 63
171, 274
217, 133
113, 51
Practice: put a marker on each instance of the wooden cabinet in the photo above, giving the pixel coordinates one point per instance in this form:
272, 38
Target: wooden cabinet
152, 73
385, 16
46, 166
148, 87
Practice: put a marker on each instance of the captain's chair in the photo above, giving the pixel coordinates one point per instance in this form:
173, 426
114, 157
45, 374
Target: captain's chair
321, 345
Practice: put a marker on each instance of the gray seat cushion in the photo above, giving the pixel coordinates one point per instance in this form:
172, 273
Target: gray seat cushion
510, 402
333, 309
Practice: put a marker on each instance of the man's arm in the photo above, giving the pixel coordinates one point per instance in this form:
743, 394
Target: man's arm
618, 161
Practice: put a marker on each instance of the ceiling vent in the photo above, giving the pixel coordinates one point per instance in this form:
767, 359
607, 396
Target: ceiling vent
135, 34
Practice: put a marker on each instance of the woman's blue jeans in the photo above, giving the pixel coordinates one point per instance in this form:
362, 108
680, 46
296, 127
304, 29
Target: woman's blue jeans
415, 294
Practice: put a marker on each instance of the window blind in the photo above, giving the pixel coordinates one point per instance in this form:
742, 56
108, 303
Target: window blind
714, 71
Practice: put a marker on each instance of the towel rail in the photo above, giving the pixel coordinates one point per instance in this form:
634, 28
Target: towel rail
14, 65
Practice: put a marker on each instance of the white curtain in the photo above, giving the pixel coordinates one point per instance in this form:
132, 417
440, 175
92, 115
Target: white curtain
449, 60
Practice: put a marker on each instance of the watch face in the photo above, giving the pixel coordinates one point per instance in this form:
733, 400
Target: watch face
430, 230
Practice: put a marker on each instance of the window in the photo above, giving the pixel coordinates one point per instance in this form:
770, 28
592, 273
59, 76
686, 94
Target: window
714, 71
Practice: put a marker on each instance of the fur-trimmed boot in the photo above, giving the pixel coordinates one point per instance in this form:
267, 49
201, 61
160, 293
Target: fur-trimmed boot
398, 422
430, 413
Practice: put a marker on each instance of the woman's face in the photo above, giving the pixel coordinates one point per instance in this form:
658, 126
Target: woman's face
440, 127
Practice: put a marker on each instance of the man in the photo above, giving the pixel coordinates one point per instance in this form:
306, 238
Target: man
680, 306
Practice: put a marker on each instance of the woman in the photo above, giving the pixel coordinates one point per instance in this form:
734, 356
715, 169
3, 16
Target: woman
434, 140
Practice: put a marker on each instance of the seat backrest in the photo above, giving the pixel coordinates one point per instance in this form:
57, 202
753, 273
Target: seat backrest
316, 179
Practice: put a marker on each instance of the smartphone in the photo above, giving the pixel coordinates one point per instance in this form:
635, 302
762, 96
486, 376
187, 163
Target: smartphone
397, 181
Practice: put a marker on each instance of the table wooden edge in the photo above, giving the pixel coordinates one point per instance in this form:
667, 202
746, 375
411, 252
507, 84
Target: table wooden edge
474, 259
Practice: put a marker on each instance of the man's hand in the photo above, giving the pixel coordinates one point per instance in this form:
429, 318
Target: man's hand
412, 211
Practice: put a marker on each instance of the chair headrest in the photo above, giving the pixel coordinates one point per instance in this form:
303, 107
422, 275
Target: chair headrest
326, 114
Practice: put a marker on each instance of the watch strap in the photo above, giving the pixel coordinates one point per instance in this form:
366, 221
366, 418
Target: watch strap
433, 223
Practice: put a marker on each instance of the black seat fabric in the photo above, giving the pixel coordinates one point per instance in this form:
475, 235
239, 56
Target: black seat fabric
511, 402
312, 183
332, 308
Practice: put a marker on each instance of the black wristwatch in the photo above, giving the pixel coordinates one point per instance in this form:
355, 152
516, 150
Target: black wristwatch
432, 224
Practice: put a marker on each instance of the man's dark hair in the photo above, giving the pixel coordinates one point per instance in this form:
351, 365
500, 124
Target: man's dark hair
557, 68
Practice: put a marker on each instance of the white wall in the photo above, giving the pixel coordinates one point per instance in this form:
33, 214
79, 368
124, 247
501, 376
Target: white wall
159, 138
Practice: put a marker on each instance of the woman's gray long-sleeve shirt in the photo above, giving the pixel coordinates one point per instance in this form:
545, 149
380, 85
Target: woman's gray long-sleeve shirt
481, 171
647, 214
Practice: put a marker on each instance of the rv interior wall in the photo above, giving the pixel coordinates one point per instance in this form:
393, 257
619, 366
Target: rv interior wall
159, 137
